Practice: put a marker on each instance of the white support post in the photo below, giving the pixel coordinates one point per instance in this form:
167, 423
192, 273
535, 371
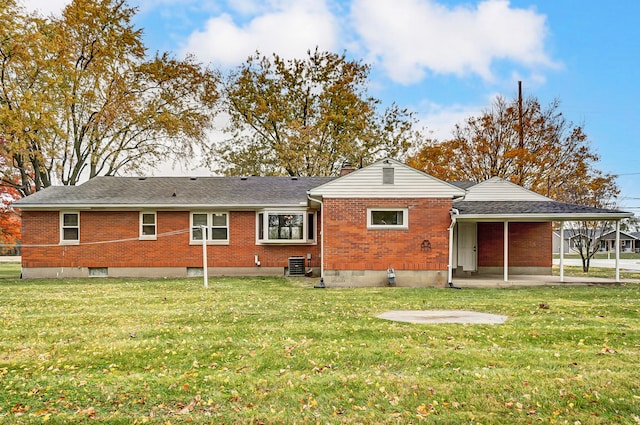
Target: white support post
561, 251
617, 251
506, 251
205, 270
453, 213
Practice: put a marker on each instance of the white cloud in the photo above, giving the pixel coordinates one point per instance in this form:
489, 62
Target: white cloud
413, 37
45, 7
289, 30
440, 120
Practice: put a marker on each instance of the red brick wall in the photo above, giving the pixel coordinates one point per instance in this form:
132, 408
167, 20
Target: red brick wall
529, 245
349, 245
43, 227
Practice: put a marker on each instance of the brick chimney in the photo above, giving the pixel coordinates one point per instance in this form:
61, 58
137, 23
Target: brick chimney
346, 168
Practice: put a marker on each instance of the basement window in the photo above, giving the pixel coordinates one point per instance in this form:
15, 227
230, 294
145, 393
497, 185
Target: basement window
387, 218
98, 272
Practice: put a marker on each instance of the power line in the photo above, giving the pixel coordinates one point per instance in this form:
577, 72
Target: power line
159, 235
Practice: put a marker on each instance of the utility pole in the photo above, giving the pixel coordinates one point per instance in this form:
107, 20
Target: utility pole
521, 130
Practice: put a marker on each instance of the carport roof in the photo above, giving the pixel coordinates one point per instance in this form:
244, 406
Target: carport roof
533, 211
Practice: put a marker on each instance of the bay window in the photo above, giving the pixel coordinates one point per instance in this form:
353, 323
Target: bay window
286, 227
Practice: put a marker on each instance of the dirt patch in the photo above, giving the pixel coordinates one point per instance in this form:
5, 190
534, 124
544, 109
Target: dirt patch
442, 316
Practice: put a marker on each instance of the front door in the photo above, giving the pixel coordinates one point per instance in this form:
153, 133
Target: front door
467, 246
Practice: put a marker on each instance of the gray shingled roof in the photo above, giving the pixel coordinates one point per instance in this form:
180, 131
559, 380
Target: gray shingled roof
547, 208
463, 184
191, 191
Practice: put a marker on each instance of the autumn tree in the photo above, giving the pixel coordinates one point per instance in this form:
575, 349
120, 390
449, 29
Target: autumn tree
304, 117
9, 220
532, 146
79, 97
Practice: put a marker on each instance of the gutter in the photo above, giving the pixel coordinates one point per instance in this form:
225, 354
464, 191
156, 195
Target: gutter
321, 239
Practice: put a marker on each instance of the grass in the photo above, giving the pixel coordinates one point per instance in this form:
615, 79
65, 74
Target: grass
273, 351
600, 272
10, 270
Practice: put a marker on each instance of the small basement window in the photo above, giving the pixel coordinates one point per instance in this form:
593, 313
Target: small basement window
388, 218
98, 272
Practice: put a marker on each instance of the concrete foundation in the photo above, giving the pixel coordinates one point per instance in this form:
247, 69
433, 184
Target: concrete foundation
150, 272
372, 278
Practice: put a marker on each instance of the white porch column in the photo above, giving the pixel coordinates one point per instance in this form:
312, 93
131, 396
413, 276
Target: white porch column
562, 251
617, 250
506, 251
450, 271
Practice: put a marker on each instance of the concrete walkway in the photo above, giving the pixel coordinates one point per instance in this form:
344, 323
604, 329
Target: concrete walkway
497, 281
625, 264
10, 259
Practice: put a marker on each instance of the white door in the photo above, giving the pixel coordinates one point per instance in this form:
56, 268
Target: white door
467, 246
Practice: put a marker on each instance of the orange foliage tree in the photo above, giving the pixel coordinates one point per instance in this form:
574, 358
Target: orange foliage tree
9, 219
547, 154
532, 146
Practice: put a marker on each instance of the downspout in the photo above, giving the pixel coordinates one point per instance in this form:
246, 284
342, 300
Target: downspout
453, 213
321, 239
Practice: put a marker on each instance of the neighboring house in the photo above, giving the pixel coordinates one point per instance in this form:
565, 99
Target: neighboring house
351, 229
629, 241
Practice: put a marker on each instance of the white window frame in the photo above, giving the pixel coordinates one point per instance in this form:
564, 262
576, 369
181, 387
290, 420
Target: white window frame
304, 240
64, 241
403, 226
210, 226
154, 236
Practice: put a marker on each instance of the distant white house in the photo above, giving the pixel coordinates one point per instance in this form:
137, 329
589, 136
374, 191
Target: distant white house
629, 241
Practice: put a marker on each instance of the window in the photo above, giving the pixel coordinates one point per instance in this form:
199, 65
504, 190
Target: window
148, 225
286, 227
70, 228
215, 226
387, 218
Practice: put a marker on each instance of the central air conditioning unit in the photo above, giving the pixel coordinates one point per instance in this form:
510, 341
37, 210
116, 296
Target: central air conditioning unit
296, 266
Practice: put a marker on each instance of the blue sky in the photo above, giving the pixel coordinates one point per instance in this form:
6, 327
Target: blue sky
443, 59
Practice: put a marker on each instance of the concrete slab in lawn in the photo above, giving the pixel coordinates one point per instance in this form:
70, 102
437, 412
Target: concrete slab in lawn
442, 316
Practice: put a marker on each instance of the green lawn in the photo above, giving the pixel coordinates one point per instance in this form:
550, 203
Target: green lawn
10, 270
273, 350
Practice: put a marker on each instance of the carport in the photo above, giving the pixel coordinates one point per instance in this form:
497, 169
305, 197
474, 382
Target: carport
466, 216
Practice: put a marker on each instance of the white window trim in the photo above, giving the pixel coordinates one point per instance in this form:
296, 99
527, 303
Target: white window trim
403, 226
209, 226
155, 225
305, 227
62, 227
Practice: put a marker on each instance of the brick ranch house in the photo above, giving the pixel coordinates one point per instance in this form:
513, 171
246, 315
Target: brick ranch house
350, 229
